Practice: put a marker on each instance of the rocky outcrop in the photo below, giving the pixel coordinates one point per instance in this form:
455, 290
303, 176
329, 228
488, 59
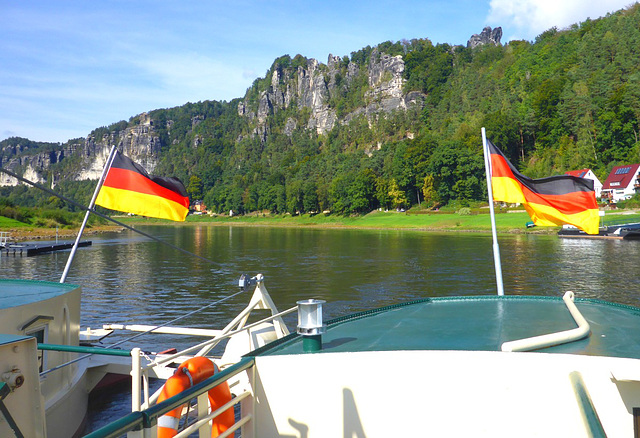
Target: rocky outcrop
310, 91
487, 36
312, 86
139, 142
33, 166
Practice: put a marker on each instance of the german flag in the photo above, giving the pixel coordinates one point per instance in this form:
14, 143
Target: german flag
555, 200
129, 188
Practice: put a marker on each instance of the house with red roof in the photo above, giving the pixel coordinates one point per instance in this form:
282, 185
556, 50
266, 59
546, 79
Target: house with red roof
621, 183
588, 173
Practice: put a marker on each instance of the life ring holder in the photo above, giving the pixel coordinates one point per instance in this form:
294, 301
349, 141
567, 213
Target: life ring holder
189, 373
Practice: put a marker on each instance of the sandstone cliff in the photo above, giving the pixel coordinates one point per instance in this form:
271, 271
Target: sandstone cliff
314, 86
139, 142
296, 95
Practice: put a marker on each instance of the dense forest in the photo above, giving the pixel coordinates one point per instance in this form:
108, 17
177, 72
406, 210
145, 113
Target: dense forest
568, 100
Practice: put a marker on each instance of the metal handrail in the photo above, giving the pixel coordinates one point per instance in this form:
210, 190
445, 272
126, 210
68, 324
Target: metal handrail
77, 349
201, 422
587, 410
215, 340
137, 421
80, 349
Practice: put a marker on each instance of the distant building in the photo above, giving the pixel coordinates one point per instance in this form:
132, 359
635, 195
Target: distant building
588, 174
199, 206
621, 183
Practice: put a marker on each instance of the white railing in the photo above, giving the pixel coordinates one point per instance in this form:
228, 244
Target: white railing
157, 367
143, 424
4, 238
140, 379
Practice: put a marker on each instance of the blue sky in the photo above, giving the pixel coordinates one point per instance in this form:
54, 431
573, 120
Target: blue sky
67, 67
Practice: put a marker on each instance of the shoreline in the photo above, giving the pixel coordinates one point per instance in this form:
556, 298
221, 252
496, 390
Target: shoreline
549, 230
39, 234
32, 233
507, 224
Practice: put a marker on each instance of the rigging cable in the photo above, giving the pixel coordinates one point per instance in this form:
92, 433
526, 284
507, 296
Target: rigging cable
130, 338
82, 207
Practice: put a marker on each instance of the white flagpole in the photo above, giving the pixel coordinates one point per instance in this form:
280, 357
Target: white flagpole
107, 166
496, 247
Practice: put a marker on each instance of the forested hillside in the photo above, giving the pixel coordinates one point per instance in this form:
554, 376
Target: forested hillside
399, 123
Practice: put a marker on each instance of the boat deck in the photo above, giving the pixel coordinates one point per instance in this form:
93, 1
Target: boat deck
480, 323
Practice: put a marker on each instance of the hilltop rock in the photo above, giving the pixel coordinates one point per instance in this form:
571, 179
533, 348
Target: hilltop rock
313, 84
140, 142
304, 86
487, 36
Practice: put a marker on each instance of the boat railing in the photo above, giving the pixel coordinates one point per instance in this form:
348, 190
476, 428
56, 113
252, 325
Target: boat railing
88, 351
143, 424
587, 410
4, 238
141, 375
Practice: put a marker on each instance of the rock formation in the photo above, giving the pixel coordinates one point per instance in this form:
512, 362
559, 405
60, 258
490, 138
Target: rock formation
140, 142
307, 87
311, 86
487, 36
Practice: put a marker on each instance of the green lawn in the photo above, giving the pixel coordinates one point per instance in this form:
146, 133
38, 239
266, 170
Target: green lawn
438, 221
6, 222
505, 222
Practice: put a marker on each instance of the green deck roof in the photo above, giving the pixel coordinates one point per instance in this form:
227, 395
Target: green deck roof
478, 324
15, 293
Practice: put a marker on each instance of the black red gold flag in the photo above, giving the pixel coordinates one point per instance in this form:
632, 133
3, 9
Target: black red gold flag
551, 201
130, 189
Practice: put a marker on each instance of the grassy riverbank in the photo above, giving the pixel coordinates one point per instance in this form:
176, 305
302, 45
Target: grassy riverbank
514, 222
511, 222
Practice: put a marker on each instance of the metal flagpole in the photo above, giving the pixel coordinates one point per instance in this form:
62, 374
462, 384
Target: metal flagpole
107, 166
496, 247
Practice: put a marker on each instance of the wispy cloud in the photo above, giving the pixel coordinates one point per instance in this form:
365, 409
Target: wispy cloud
526, 19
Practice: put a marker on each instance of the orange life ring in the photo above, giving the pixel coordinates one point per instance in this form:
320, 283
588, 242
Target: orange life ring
190, 372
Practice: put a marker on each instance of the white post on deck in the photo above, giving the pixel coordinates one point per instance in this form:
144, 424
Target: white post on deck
107, 166
496, 247
135, 379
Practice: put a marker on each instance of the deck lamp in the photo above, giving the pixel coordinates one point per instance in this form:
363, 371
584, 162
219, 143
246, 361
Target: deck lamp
310, 324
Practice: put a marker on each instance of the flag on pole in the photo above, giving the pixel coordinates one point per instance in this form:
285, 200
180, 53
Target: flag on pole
129, 188
555, 200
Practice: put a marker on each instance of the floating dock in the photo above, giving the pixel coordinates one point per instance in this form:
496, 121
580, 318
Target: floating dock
30, 249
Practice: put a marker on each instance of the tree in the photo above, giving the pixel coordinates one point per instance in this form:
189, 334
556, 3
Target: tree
398, 197
429, 192
194, 189
310, 197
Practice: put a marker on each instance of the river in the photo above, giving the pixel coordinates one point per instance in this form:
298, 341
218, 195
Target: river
127, 278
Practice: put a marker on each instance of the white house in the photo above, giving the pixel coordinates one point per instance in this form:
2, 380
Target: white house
588, 174
621, 183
